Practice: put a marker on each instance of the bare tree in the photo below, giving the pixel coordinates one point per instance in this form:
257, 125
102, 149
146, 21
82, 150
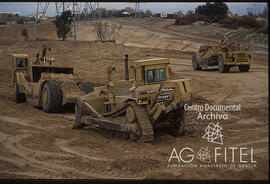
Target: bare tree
24, 33
107, 31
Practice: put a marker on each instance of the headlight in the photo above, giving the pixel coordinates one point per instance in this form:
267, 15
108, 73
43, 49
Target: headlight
167, 89
145, 92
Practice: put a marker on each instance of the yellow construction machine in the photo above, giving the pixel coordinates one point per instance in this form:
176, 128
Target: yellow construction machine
135, 108
225, 55
43, 84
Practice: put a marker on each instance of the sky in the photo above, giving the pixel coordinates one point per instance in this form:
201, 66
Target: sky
25, 8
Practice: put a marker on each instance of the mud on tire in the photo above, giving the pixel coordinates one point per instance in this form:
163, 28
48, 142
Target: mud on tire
52, 97
178, 127
222, 68
195, 63
19, 97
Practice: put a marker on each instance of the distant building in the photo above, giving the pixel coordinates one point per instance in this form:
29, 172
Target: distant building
116, 11
33, 16
8, 17
128, 10
125, 14
12, 14
163, 15
99, 10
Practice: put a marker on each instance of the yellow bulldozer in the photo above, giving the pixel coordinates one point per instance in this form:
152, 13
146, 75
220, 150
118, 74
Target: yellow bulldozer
43, 84
135, 108
225, 55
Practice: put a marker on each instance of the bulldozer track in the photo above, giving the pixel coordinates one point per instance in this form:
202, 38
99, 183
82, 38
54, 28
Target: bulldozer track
145, 124
146, 134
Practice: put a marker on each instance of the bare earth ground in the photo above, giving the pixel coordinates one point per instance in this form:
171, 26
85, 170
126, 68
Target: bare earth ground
35, 144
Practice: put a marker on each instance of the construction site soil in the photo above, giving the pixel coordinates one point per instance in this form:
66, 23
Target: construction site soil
35, 144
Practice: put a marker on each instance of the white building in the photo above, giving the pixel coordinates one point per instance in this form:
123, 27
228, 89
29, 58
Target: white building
33, 15
125, 13
163, 15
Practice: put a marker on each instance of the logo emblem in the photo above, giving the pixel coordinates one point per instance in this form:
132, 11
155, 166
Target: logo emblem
204, 155
213, 134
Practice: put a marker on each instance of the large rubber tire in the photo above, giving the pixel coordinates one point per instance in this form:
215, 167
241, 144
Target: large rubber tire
195, 63
85, 87
19, 97
244, 68
52, 97
222, 68
178, 127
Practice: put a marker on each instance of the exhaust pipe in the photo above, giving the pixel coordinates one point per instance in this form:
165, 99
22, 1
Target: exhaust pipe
126, 67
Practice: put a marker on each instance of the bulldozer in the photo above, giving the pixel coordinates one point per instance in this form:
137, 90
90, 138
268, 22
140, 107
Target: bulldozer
43, 84
225, 55
135, 108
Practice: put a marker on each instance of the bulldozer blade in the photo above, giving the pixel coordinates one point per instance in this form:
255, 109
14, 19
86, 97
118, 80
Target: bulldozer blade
104, 124
78, 117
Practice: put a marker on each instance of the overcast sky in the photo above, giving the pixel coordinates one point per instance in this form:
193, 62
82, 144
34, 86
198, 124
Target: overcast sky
24, 8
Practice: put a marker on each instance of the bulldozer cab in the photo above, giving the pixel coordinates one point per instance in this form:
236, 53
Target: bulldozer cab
154, 74
151, 71
148, 76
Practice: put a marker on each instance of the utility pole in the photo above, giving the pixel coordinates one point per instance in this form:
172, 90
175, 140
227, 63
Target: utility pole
254, 10
40, 15
60, 7
137, 9
92, 7
76, 14
42, 7
266, 16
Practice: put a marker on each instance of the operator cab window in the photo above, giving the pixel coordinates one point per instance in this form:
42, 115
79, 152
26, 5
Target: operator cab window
247, 48
21, 62
156, 75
